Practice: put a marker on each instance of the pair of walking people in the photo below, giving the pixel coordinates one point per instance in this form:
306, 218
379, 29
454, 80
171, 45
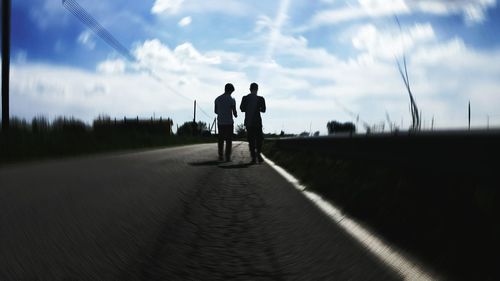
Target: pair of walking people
225, 108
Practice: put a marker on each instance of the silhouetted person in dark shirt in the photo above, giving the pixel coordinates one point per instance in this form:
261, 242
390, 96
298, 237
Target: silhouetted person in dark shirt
225, 108
253, 105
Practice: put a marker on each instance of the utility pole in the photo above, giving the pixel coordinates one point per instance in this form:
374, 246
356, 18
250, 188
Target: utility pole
214, 125
194, 112
6, 8
194, 127
469, 115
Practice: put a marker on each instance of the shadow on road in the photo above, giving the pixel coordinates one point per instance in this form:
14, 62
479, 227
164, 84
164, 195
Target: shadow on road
205, 163
236, 166
223, 165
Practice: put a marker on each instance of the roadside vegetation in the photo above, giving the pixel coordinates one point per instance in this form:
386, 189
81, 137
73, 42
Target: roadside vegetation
41, 139
445, 212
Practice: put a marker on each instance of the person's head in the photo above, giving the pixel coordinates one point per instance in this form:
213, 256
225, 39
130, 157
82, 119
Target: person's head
229, 88
254, 88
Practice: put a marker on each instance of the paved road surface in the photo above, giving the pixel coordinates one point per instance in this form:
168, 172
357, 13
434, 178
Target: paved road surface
169, 214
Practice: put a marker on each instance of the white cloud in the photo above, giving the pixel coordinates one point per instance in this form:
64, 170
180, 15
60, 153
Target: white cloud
334, 16
275, 28
322, 87
186, 54
86, 39
288, 45
225, 57
185, 71
185, 21
364, 8
154, 55
235, 8
473, 11
180, 76
444, 76
53, 91
166, 6
454, 74
377, 44
228, 7
111, 67
443, 52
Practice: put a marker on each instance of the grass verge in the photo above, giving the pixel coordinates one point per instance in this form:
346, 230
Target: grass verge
444, 212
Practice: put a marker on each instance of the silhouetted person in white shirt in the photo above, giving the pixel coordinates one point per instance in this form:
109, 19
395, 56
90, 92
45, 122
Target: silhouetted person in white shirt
253, 105
225, 108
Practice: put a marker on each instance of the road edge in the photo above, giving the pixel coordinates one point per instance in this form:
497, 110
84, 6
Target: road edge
394, 258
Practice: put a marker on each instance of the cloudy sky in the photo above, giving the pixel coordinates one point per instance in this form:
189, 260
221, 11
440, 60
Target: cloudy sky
315, 60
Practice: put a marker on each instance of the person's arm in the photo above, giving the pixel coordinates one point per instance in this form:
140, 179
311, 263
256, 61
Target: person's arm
215, 107
243, 105
263, 105
235, 113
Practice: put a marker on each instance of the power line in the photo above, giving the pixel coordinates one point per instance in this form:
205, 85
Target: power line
203, 111
99, 30
91, 22
350, 112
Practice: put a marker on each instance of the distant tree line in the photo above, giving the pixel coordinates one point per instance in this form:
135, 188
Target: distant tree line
335, 127
70, 136
102, 124
202, 129
153, 126
193, 129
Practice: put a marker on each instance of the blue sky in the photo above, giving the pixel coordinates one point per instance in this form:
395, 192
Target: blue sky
315, 61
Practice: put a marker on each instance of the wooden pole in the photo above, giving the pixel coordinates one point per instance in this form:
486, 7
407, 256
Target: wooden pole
469, 115
194, 127
194, 112
6, 10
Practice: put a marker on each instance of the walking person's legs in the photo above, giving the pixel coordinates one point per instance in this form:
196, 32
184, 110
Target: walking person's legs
220, 142
251, 132
259, 137
229, 141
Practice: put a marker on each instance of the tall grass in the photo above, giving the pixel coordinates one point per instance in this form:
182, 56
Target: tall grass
403, 71
64, 136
